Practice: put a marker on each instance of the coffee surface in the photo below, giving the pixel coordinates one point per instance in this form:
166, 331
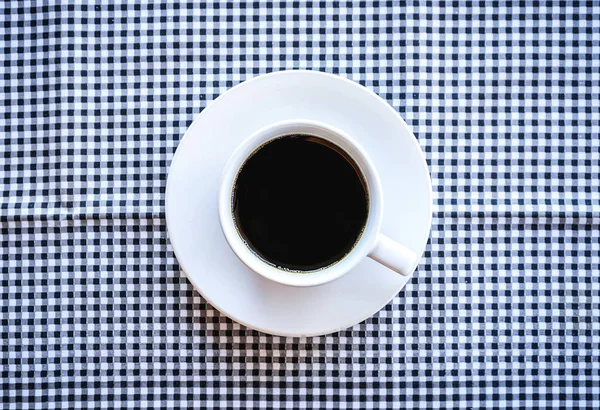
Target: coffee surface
300, 203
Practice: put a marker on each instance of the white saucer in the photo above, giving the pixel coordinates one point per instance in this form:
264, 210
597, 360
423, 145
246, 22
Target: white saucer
193, 185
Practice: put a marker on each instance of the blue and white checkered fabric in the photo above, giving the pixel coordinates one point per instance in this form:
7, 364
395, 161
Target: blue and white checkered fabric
504, 310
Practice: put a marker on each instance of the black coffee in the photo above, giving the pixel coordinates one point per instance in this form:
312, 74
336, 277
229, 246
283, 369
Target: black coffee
300, 203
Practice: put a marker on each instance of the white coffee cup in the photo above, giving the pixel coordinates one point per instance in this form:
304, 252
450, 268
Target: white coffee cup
371, 244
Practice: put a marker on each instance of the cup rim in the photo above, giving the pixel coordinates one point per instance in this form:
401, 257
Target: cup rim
362, 247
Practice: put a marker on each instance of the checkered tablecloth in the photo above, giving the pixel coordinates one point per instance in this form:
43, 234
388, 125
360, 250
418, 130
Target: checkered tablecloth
504, 310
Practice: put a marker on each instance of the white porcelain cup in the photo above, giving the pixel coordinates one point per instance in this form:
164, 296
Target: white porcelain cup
371, 244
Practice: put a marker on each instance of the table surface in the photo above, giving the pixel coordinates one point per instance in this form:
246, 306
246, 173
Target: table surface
504, 308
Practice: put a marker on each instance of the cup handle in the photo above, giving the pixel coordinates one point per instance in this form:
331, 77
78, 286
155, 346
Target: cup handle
393, 255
